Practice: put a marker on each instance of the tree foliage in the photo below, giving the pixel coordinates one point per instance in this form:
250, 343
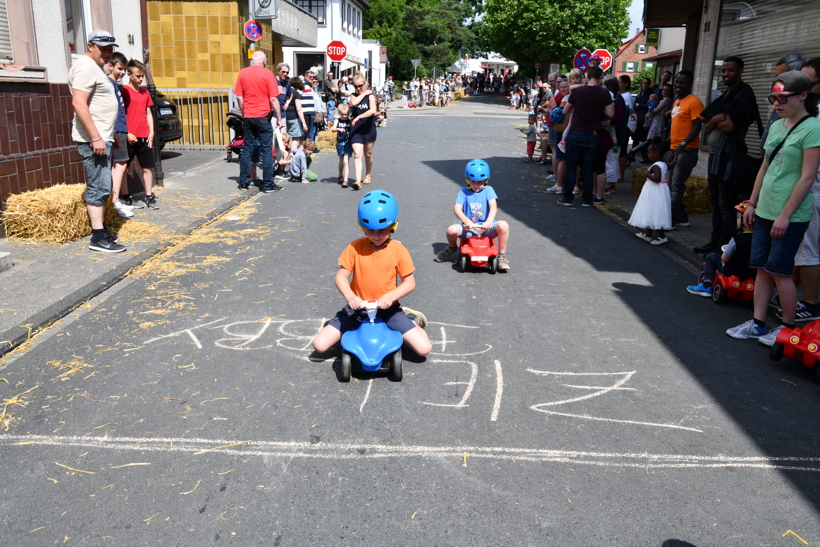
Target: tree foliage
434, 31
534, 31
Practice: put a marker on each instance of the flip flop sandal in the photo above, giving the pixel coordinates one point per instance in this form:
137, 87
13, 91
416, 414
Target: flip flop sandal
344, 185
366, 180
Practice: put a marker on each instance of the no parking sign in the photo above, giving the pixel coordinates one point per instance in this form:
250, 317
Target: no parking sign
581, 59
253, 30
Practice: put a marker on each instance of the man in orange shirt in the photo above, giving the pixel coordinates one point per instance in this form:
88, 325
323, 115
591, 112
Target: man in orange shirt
257, 91
685, 142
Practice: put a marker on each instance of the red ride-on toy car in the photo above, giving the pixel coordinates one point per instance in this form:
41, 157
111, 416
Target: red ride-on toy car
724, 287
802, 344
478, 251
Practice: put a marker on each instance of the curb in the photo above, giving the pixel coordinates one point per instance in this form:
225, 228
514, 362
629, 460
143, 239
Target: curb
15, 336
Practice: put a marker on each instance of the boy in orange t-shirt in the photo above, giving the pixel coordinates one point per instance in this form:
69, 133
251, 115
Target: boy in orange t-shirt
375, 261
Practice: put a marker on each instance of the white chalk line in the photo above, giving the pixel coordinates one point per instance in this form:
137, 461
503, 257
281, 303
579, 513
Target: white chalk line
366, 395
499, 390
351, 451
634, 422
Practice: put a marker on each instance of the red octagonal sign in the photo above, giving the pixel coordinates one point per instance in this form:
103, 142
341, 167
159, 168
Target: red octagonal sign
336, 50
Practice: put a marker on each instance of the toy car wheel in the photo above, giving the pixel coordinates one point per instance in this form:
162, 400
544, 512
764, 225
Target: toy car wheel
776, 353
701, 276
464, 261
395, 366
718, 293
492, 264
347, 366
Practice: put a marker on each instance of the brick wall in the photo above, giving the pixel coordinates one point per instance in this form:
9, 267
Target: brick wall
36, 150
627, 54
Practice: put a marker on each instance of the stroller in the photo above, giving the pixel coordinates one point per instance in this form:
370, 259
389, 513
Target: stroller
234, 122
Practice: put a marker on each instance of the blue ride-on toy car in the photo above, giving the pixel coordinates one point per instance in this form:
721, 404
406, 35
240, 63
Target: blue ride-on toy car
374, 345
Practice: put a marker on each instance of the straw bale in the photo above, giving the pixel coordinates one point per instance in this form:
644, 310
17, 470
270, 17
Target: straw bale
695, 198
458, 94
55, 215
326, 140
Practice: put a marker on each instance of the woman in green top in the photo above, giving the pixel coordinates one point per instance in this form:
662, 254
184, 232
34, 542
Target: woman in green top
782, 204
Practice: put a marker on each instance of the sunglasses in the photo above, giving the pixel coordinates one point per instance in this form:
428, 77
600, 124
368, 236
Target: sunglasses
358, 86
109, 39
780, 99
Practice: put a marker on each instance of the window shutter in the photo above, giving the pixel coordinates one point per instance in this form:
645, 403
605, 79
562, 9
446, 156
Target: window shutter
637, 47
5, 34
623, 68
643, 65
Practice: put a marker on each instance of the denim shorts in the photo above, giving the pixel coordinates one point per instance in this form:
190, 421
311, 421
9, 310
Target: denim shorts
120, 154
294, 128
98, 173
467, 233
560, 156
395, 318
344, 149
776, 256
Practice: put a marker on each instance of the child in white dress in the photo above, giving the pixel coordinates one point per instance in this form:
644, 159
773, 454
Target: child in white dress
653, 210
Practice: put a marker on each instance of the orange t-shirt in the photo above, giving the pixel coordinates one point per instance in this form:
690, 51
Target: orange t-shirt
374, 272
684, 112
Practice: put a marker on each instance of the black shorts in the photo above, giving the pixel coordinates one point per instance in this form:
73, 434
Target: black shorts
599, 164
144, 154
119, 150
360, 137
349, 319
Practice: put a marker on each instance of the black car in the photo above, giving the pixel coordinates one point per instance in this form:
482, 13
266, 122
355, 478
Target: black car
168, 122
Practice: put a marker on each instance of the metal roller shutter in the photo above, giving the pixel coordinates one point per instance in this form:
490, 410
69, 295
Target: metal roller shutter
760, 32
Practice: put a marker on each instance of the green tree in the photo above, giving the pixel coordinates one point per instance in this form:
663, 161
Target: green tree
434, 31
534, 31
648, 72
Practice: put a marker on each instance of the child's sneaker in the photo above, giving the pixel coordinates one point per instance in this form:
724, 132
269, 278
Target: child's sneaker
123, 211
416, 316
552, 178
151, 202
700, 290
503, 264
562, 146
128, 202
555, 189
770, 338
747, 330
804, 312
445, 255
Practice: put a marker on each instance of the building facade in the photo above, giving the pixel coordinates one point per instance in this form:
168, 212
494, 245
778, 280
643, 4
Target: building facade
631, 57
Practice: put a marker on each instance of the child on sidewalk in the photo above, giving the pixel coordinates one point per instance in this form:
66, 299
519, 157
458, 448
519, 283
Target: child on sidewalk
529, 131
119, 151
653, 210
476, 207
299, 164
343, 147
138, 105
375, 261
733, 260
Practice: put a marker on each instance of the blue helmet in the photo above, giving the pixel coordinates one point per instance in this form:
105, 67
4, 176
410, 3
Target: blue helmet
557, 115
378, 209
477, 170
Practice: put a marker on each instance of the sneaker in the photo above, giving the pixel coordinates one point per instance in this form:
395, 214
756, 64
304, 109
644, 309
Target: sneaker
274, 188
610, 190
503, 264
552, 178
683, 224
243, 186
747, 330
700, 290
643, 236
124, 206
576, 191
445, 255
123, 211
586, 204
659, 240
106, 245
774, 303
562, 146
564, 202
805, 312
134, 204
596, 199
555, 189
769, 339
151, 202
416, 316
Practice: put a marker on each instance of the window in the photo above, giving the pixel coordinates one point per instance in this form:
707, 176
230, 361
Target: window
358, 23
315, 7
349, 21
75, 26
641, 48
5, 35
344, 19
630, 66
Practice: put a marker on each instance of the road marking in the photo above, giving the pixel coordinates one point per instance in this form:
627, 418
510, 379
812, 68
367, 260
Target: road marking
499, 389
320, 450
366, 394
470, 384
587, 417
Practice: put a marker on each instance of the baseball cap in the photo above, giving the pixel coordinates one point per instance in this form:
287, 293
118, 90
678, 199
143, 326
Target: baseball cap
101, 38
595, 56
794, 81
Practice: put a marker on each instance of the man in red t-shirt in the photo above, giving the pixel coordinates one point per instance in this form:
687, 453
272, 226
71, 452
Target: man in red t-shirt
257, 91
586, 104
138, 105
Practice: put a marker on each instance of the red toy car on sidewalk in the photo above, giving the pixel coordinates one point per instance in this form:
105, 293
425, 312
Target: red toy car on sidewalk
802, 344
730, 287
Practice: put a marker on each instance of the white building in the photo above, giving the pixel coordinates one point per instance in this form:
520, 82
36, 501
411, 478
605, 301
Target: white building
477, 65
338, 20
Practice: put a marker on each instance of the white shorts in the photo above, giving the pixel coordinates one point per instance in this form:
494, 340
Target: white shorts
808, 253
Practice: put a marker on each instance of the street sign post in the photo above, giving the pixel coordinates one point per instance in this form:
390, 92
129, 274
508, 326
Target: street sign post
253, 30
336, 50
581, 59
606, 58
555, 67
416, 63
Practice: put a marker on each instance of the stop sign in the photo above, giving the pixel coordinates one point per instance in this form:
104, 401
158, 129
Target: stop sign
606, 58
336, 50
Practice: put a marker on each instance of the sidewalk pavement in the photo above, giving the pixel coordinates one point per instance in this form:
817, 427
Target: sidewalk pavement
48, 281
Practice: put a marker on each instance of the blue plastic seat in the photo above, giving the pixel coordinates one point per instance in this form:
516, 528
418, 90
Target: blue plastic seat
371, 343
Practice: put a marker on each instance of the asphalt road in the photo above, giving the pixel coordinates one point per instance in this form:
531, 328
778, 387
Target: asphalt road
583, 398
